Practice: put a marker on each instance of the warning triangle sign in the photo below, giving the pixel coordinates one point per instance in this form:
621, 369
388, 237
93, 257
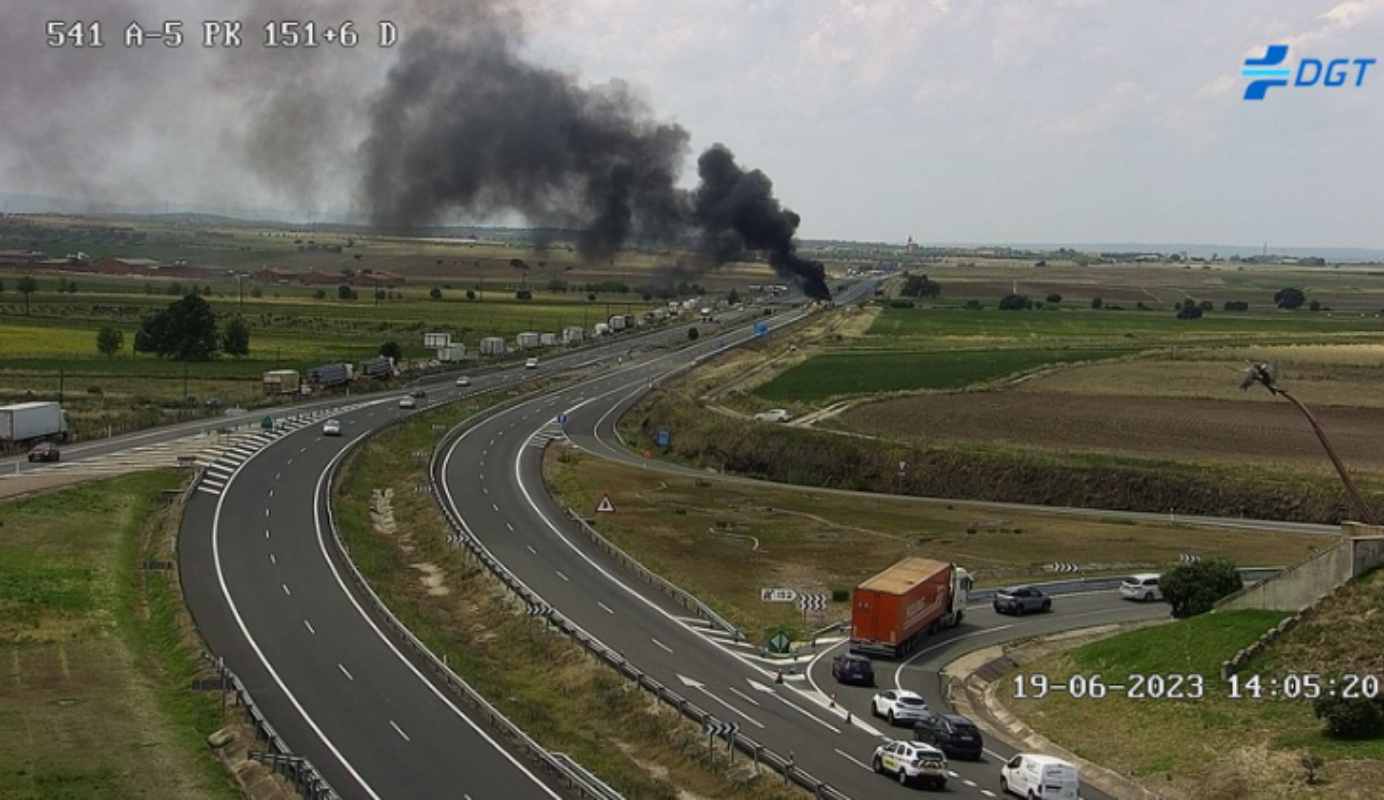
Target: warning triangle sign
605, 504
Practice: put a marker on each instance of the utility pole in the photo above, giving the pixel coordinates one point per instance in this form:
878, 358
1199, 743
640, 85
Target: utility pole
1266, 375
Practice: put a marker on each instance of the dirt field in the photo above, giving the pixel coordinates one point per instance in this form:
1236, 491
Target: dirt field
1130, 425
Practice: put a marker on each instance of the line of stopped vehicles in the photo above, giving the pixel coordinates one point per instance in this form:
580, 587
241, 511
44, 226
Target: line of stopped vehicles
892, 614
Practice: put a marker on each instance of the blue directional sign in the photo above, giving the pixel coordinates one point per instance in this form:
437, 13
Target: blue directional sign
562, 420
663, 437
761, 328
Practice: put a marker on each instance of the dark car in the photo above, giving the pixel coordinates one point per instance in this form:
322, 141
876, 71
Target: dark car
953, 734
420, 393
44, 451
1021, 600
851, 668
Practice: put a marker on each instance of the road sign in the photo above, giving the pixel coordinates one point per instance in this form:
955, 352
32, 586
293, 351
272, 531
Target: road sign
1063, 566
562, 420
605, 504
1188, 558
663, 437
779, 643
648, 453
813, 601
267, 423
761, 328
715, 727
779, 595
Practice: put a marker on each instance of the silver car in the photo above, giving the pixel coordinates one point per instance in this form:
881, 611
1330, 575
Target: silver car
1021, 600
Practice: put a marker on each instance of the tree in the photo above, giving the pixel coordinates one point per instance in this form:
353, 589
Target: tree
185, 331
392, 350
557, 285
692, 334
381, 294
26, 286
2, 287
732, 297
1289, 298
236, 338
523, 294
1189, 311
435, 293
320, 294
1236, 305
920, 286
344, 292
1054, 298
1206, 305
1015, 302
1194, 588
1315, 305
470, 294
591, 296
109, 340
1096, 302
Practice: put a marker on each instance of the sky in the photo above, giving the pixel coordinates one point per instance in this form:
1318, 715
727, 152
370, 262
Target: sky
947, 121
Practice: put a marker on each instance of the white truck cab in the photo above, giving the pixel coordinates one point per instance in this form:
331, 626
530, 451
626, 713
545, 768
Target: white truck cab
1040, 777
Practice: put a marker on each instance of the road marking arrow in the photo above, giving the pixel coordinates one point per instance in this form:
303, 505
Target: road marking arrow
760, 687
701, 687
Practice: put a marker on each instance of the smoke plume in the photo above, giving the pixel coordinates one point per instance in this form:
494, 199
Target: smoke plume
466, 124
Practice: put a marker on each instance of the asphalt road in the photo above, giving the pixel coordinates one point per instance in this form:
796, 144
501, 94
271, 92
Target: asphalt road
268, 598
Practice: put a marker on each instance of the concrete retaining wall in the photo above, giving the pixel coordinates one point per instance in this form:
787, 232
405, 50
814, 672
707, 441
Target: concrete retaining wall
1360, 549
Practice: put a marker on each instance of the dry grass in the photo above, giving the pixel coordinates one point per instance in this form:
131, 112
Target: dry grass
695, 532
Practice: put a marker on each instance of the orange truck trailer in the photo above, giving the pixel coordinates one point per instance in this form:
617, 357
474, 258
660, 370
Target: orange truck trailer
893, 612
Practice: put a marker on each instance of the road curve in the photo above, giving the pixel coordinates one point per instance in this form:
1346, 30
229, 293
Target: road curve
268, 597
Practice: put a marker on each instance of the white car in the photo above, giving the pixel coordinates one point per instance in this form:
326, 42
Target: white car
898, 705
1143, 586
407, 402
532, 363
331, 427
1031, 775
912, 762
774, 415
463, 381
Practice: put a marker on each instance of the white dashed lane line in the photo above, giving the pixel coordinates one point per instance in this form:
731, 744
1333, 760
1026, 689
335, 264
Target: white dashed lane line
853, 759
345, 672
399, 731
272, 559
560, 575
286, 589
662, 646
529, 547
494, 507
605, 608
509, 527
308, 625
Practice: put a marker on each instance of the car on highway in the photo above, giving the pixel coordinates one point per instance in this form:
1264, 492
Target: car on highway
463, 381
1032, 775
898, 705
953, 734
852, 668
44, 451
331, 427
407, 402
1143, 586
1021, 600
912, 762
419, 393
531, 363
774, 415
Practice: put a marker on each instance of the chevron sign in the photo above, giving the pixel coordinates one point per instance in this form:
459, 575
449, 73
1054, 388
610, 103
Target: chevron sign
715, 727
1063, 566
812, 601
1188, 558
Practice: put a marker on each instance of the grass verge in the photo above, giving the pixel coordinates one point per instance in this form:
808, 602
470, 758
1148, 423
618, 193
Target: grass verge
95, 699
546, 684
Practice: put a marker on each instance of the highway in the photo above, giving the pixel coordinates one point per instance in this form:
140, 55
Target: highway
269, 598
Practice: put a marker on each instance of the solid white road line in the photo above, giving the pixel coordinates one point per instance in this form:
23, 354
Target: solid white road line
661, 645
307, 624
399, 731
898, 673
345, 672
853, 759
743, 696
286, 591
611, 611
529, 547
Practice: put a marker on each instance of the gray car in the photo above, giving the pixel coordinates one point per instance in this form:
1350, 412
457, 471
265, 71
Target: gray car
1021, 600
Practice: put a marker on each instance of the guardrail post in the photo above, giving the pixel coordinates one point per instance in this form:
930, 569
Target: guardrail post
788, 768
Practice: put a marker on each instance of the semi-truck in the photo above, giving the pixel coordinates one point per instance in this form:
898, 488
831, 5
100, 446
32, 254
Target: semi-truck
331, 375
378, 367
25, 422
893, 612
281, 381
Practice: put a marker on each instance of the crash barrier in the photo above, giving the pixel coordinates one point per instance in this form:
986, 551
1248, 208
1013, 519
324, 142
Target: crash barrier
562, 769
758, 753
683, 597
296, 769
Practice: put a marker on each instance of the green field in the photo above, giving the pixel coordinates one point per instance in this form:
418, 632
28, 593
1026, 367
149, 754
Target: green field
837, 374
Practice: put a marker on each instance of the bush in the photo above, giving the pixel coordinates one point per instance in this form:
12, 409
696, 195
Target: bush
523, 294
1206, 305
1054, 298
256, 291
1193, 589
1289, 298
435, 293
920, 286
470, 294
1096, 302
1015, 302
1236, 305
344, 292
1315, 305
692, 334
392, 350
1349, 718
840, 595
320, 294
1189, 311
974, 305
901, 304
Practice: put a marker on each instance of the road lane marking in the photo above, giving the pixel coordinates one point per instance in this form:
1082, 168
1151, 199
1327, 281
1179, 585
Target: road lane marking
968, 782
399, 731
494, 507
509, 527
743, 696
529, 547
853, 759
661, 645
482, 474
272, 559
898, 673
308, 625
701, 687
276, 475
769, 690
607, 609
290, 462
486, 491
286, 590
345, 672
565, 578
266, 511
987, 792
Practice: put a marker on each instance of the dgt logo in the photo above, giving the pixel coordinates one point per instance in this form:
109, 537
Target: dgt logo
1268, 71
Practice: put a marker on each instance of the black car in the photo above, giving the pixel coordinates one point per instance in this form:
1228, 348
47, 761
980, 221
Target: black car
953, 734
419, 393
851, 668
44, 451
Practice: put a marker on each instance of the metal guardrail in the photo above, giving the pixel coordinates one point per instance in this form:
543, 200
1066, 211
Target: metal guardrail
300, 771
759, 753
575, 778
684, 598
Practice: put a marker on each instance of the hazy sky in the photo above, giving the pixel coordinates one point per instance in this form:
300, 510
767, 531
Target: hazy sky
1075, 120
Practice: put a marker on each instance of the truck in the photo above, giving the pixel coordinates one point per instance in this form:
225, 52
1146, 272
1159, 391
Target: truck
331, 375
572, 334
281, 381
378, 367
492, 346
617, 322
600, 329
23, 422
893, 612
527, 340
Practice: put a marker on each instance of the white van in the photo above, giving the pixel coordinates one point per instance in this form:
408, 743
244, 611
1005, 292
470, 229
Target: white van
1031, 775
